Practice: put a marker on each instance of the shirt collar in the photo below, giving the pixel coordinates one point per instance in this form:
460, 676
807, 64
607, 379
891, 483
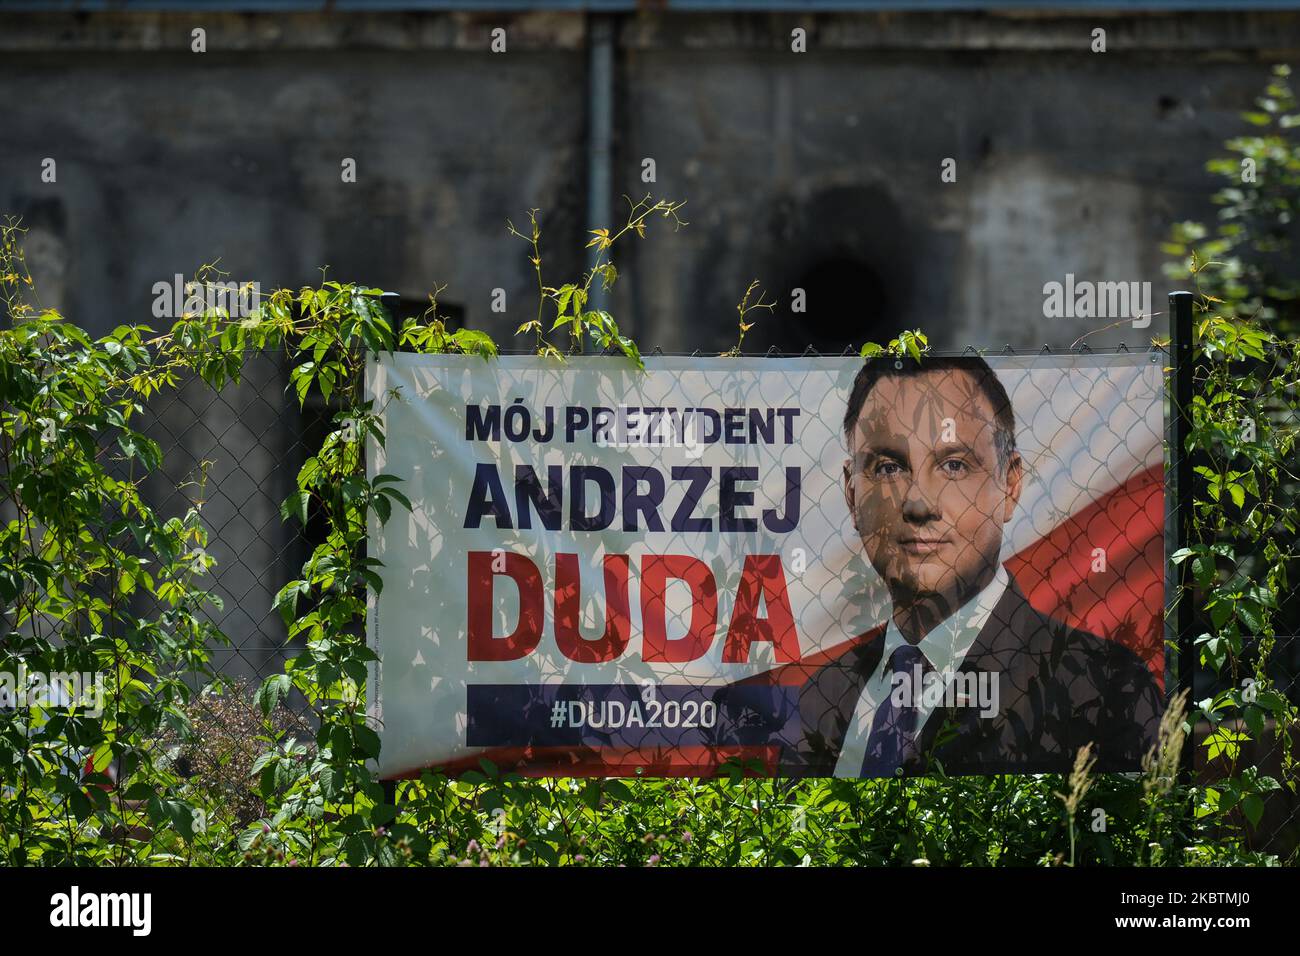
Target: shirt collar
948, 643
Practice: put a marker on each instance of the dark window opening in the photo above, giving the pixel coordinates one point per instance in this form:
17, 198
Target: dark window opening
846, 302
848, 249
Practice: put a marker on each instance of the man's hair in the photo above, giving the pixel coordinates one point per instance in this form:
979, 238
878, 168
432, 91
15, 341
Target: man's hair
883, 366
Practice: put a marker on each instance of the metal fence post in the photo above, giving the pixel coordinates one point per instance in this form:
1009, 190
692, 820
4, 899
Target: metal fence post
393, 303
1180, 491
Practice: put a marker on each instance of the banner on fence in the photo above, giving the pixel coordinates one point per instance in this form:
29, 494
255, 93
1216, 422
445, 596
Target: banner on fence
811, 566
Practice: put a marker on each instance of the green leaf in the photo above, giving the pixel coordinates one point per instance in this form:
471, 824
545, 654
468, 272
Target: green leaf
473, 342
295, 506
383, 508
618, 790
172, 813
286, 600
333, 783
1238, 494
140, 790
398, 497
272, 691
1253, 806
563, 297
367, 740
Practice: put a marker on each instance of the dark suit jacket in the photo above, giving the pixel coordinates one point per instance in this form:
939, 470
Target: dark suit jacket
1059, 688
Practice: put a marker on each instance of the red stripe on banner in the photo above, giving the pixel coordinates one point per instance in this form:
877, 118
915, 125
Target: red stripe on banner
1125, 602
800, 673
691, 761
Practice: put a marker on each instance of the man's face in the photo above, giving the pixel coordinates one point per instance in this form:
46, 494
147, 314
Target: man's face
925, 488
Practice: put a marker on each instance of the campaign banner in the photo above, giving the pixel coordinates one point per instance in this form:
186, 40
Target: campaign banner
809, 566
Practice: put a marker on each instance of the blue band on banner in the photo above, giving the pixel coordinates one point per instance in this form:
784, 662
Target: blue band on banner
631, 715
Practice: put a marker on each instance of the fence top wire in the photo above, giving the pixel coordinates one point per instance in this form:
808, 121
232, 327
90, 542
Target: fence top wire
809, 352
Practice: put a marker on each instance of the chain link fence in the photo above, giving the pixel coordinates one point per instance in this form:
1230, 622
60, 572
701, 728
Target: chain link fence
1266, 660
238, 451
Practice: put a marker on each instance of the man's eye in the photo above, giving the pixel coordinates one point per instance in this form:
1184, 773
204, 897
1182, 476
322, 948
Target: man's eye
955, 467
887, 469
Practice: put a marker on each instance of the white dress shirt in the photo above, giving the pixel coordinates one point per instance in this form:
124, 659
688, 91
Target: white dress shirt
945, 647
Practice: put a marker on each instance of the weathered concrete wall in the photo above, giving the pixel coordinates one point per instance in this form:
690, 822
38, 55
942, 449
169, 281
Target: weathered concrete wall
1065, 164
168, 160
819, 168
